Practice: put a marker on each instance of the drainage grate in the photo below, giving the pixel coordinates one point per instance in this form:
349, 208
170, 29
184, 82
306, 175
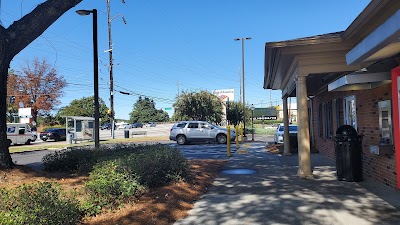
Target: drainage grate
239, 171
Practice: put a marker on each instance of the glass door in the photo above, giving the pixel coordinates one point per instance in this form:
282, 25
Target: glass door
350, 114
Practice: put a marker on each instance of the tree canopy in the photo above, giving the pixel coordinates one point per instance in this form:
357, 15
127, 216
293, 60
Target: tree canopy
234, 113
85, 107
144, 110
198, 106
39, 87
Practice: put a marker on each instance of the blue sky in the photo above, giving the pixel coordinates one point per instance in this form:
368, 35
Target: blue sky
176, 44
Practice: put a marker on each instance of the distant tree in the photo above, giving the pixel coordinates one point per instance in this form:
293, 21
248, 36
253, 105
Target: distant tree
39, 87
12, 108
84, 107
198, 106
235, 113
144, 110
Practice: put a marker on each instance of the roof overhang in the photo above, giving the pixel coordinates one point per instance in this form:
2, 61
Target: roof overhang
286, 60
360, 81
382, 43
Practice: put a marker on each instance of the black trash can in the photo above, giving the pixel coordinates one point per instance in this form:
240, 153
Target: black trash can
348, 151
126, 133
293, 143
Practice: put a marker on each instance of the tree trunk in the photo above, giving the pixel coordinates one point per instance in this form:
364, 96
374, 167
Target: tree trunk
5, 157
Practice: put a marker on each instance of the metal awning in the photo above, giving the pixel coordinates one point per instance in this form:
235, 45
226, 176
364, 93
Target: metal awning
79, 118
360, 81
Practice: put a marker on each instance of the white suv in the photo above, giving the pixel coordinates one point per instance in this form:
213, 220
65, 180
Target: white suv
187, 131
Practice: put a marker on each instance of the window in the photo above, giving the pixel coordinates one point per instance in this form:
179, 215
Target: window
205, 126
325, 122
181, 125
336, 114
78, 126
349, 111
320, 123
291, 128
193, 125
328, 120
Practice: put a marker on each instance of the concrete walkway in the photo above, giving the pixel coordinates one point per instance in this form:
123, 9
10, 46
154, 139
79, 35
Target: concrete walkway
276, 195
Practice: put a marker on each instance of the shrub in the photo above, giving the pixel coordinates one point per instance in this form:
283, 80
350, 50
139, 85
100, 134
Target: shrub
119, 172
40, 203
110, 183
42, 129
82, 159
75, 160
157, 165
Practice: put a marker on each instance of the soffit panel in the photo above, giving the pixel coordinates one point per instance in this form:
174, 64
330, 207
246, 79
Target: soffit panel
386, 52
376, 13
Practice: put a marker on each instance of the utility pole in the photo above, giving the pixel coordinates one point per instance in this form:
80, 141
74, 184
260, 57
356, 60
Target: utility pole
270, 97
242, 89
110, 53
178, 84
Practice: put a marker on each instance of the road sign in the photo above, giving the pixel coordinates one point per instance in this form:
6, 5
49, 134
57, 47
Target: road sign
170, 108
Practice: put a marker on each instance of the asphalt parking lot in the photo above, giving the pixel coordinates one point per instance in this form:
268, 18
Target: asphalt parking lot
205, 151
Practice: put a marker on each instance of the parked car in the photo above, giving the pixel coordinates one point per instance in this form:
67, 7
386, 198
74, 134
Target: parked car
107, 126
137, 125
150, 124
192, 131
56, 134
278, 136
124, 126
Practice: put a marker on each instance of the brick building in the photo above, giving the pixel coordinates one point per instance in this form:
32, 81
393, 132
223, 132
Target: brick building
349, 77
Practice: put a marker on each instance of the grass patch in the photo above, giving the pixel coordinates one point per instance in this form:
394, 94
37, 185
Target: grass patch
61, 145
264, 130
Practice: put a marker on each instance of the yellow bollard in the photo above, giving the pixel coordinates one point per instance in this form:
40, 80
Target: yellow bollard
241, 133
237, 136
228, 141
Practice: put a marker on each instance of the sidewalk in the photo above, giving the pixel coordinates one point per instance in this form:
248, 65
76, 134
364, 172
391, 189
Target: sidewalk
276, 195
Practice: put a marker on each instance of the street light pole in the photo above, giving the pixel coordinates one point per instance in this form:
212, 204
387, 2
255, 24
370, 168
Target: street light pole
95, 76
242, 84
252, 122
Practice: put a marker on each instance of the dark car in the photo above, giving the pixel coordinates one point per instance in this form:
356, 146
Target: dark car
107, 126
137, 125
56, 134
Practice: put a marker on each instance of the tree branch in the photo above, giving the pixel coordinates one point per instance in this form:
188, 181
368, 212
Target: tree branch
24, 31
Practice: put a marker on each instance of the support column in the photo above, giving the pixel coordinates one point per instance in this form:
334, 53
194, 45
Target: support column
303, 131
286, 143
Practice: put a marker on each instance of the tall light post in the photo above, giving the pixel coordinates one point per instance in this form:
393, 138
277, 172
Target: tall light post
96, 75
252, 122
242, 84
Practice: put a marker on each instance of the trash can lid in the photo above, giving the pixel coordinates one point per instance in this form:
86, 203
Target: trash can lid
346, 130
